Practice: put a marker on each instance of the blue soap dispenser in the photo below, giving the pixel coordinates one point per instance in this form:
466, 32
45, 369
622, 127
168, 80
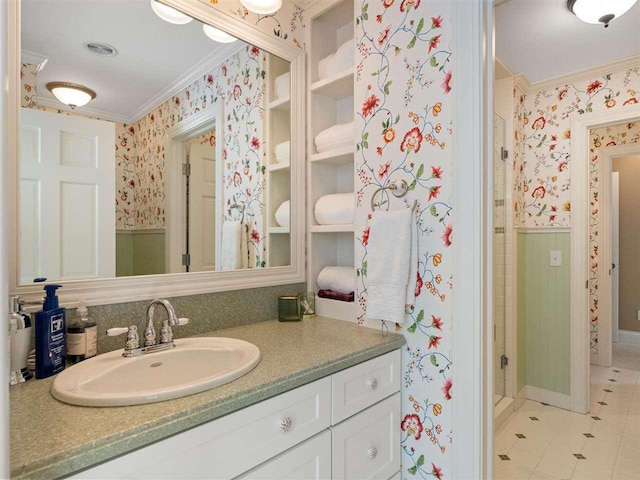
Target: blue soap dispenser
50, 335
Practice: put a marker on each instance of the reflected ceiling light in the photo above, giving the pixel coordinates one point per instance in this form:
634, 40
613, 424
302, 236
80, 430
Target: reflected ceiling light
217, 35
264, 7
71, 94
599, 11
169, 14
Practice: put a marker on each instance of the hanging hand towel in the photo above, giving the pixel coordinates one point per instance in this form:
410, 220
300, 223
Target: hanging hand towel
391, 253
244, 246
231, 241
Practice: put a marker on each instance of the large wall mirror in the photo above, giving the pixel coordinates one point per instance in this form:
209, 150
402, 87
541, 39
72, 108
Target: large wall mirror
183, 174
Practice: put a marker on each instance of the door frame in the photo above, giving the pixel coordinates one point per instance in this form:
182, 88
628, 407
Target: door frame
174, 149
605, 287
580, 359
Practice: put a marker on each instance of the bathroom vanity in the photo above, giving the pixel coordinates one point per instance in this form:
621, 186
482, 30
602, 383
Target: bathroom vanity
324, 402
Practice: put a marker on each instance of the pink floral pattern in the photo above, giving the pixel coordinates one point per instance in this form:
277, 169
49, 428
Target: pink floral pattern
404, 102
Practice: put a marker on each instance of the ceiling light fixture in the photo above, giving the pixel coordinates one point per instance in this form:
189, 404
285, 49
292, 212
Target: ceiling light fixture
264, 7
71, 94
169, 14
217, 35
599, 11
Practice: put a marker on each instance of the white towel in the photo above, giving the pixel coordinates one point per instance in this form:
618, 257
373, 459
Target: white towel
282, 85
336, 209
282, 152
338, 279
231, 241
344, 57
391, 273
324, 66
244, 245
282, 214
332, 138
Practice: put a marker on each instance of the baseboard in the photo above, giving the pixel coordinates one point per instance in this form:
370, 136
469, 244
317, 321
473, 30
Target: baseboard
520, 398
546, 396
629, 336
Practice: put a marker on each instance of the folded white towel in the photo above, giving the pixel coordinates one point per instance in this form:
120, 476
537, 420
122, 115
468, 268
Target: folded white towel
344, 57
282, 152
282, 214
338, 279
336, 209
334, 137
324, 65
390, 258
231, 241
282, 85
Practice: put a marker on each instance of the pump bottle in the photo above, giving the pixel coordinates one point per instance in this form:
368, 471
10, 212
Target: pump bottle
50, 335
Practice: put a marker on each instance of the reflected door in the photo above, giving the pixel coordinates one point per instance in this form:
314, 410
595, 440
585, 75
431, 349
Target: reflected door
67, 194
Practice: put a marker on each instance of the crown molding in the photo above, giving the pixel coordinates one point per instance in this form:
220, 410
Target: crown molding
587, 74
33, 58
522, 83
89, 112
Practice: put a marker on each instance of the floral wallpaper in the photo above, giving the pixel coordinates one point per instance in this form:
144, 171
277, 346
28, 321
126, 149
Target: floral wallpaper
29, 90
599, 140
287, 23
125, 178
519, 163
547, 139
403, 106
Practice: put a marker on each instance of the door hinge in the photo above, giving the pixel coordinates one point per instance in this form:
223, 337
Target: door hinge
504, 361
186, 169
186, 259
504, 153
586, 284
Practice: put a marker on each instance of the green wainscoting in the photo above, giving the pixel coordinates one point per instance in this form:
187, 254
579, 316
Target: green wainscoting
140, 252
543, 311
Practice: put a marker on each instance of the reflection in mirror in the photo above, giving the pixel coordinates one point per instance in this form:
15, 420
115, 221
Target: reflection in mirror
170, 100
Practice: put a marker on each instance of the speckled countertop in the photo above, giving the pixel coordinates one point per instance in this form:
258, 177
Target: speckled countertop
52, 439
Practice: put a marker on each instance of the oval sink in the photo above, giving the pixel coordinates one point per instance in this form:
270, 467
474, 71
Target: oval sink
194, 365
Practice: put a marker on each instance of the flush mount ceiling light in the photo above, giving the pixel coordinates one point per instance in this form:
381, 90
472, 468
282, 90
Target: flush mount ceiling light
599, 11
71, 94
169, 14
264, 7
217, 35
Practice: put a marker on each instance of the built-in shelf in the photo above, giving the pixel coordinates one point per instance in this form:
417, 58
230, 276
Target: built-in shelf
280, 104
341, 156
332, 228
327, 307
337, 86
275, 167
279, 230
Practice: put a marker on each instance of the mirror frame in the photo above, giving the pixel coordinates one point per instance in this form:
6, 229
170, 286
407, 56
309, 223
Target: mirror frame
124, 289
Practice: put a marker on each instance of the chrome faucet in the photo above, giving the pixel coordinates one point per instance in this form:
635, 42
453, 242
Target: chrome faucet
132, 346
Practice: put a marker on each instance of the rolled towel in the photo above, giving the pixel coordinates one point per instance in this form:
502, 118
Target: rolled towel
338, 279
344, 56
343, 297
282, 152
282, 214
334, 137
324, 65
282, 85
336, 209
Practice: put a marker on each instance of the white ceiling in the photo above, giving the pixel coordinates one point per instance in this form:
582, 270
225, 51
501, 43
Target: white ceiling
542, 39
153, 54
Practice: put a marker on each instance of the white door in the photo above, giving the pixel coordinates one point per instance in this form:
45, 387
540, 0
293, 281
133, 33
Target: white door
202, 207
615, 253
67, 195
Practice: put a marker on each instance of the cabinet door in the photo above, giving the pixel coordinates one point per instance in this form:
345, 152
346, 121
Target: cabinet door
368, 444
311, 460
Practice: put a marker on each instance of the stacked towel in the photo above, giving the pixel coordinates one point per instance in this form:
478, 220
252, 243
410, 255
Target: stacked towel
235, 249
337, 62
392, 264
338, 279
343, 297
283, 152
340, 135
336, 209
282, 214
282, 85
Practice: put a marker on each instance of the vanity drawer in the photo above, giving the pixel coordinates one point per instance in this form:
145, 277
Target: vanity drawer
355, 388
231, 445
368, 444
311, 460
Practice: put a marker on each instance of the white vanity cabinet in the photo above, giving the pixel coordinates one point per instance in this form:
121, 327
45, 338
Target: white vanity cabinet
343, 426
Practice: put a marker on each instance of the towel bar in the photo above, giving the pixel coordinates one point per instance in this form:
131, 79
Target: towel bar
399, 188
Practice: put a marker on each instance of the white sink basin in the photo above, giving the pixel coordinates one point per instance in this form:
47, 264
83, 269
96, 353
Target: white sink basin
195, 365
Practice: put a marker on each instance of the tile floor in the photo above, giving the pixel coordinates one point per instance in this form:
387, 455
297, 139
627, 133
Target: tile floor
544, 442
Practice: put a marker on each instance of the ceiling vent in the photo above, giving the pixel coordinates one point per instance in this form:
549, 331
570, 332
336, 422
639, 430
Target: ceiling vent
102, 49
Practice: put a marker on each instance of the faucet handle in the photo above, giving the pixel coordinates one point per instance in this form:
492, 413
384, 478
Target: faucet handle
133, 338
115, 331
183, 321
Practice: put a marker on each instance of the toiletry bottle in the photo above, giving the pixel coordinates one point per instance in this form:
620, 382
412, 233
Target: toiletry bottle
50, 335
82, 336
90, 333
19, 342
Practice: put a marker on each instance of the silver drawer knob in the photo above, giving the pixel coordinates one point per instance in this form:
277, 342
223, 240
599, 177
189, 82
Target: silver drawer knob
372, 452
373, 384
286, 424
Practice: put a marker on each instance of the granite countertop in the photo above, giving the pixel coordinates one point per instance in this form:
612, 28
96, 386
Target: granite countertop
52, 439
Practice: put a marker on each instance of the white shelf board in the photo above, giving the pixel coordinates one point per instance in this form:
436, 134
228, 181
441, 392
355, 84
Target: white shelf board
280, 104
327, 307
279, 230
341, 156
274, 167
337, 86
332, 228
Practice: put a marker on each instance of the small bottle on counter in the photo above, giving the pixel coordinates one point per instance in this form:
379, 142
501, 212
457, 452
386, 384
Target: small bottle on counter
82, 336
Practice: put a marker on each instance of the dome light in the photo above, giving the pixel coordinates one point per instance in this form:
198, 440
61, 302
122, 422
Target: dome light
264, 7
599, 11
169, 14
217, 35
71, 94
